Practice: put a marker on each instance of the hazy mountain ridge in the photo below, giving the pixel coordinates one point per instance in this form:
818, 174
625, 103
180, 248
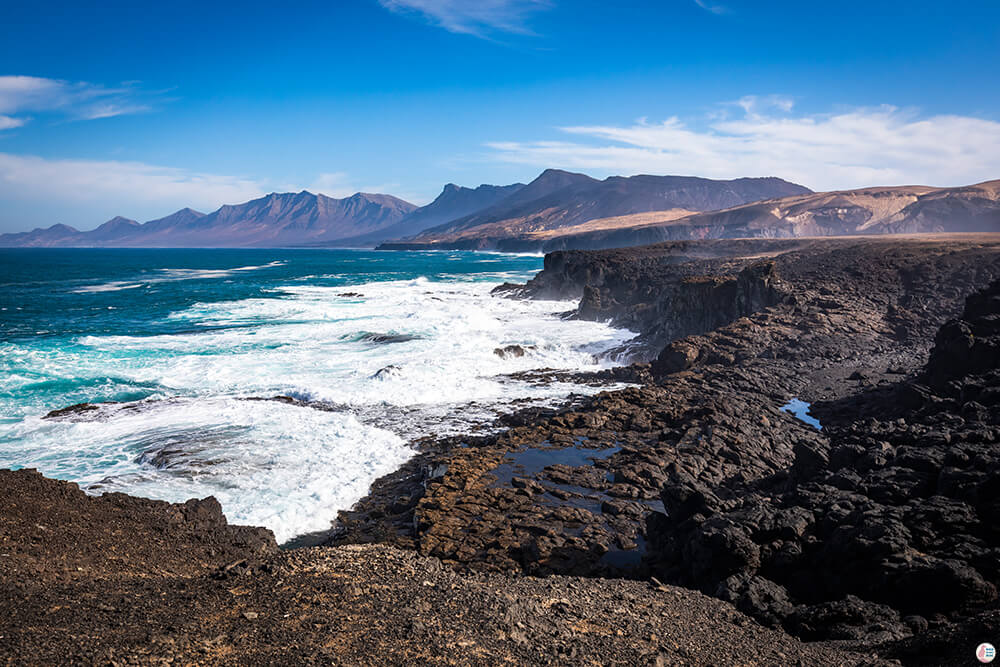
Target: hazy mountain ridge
555, 199
57, 234
557, 210
454, 202
275, 219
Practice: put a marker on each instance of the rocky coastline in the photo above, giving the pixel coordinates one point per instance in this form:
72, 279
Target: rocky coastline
767, 540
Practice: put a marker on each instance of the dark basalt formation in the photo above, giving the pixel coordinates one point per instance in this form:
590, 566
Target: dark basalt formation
884, 522
50, 523
699, 477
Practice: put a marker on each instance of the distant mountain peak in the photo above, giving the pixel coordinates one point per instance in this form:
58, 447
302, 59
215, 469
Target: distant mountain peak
551, 172
118, 221
274, 219
551, 180
58, 227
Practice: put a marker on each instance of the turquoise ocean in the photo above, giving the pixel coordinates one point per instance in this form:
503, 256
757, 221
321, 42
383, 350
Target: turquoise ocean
375, 348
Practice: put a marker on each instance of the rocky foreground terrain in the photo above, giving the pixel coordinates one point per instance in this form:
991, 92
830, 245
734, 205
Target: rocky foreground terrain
118, 580
878, 528
689, 519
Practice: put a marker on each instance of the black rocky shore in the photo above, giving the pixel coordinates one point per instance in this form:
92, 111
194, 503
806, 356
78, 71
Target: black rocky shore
686, 519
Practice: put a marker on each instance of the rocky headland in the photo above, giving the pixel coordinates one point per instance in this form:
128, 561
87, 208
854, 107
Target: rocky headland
688, 519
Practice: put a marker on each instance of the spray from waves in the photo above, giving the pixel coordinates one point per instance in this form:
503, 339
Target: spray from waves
112, 286
371, 366
268, 463
317, 344
172, 275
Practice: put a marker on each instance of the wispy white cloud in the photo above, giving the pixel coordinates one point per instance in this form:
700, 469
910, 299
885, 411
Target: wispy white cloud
8, 122
334, 184
712, 7
41, 191
121, 184
21, 95
846, 149
753, 104
472, 17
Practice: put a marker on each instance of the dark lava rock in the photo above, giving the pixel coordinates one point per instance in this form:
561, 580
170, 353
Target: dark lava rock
705, 481
512, 351
125, 581
386, 372
388, 338
71, 411
45, 516
878, 520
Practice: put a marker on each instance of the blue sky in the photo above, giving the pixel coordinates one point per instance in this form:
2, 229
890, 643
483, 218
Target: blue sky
132, 109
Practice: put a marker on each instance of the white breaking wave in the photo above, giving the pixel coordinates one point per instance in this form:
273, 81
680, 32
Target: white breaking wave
172, 275
404, 359
268, 463
113, 286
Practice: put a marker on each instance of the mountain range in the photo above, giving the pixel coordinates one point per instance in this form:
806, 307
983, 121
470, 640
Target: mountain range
557, 210
277, 219
562, 200
865, 211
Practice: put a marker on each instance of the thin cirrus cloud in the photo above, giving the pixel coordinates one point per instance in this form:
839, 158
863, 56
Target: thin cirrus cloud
712, 7
480, 18
339, 184
21, 97
847, 149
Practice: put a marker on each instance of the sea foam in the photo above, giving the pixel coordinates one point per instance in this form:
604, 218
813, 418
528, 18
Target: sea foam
290, 466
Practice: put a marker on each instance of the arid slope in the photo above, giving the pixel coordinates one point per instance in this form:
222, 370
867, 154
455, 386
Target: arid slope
866, 211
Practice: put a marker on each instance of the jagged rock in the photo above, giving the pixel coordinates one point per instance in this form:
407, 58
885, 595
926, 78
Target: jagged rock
719, 548
512, 351
767, 601
877, 519
849, 618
